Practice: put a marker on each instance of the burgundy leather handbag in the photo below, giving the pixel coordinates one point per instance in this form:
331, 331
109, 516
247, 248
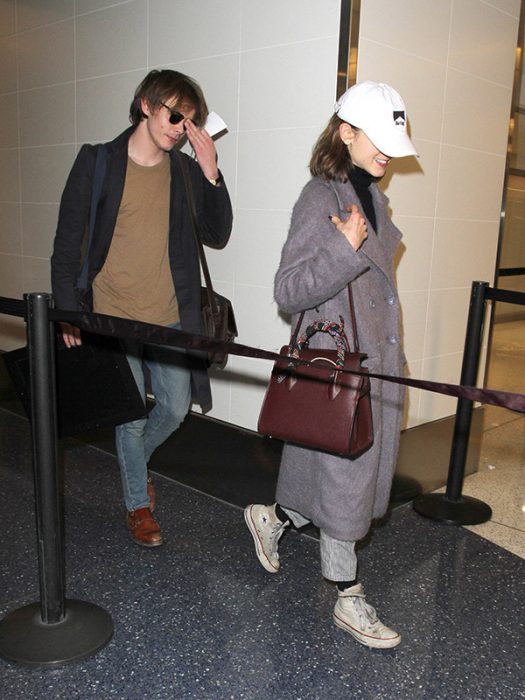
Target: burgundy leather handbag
317, 405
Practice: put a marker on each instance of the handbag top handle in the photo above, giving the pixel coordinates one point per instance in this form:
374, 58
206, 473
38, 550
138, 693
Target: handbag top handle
293, 339
98, 179
193, 216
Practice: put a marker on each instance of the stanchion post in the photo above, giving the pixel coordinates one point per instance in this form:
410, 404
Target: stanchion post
452, 507
44, 439
469, 374
55, 631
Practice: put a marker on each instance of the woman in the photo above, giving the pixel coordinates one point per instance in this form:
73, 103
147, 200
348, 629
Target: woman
341, 233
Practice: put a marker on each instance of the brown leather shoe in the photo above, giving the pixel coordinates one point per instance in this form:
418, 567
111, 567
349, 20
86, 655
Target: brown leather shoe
144, 528
151, 494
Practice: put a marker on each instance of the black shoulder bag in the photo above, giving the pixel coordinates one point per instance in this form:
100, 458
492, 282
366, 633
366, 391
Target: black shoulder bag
217, 311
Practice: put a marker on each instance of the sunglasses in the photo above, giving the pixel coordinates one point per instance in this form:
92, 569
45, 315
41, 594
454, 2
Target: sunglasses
175, 117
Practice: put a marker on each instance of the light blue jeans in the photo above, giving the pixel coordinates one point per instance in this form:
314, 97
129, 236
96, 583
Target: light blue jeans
136, 441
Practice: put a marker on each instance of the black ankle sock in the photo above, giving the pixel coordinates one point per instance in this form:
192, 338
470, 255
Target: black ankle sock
343, 585
279, 512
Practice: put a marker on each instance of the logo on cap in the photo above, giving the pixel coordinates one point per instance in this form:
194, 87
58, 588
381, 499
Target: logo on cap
399, 118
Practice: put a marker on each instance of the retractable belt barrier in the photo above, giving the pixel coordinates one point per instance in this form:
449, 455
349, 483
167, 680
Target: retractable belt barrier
160, 335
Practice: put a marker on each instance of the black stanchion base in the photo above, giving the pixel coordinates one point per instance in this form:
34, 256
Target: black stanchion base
465, 511
24, 638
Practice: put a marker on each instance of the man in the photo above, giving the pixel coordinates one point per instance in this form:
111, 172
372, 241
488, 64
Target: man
143, 262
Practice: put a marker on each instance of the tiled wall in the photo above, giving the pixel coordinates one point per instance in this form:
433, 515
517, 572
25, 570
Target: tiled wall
69, 68
453, 62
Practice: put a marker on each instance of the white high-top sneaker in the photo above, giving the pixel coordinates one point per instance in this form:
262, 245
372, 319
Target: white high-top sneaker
353, 614
266, 529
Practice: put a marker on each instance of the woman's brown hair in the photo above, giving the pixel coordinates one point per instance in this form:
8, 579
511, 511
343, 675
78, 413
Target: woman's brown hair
162, 85
330, 158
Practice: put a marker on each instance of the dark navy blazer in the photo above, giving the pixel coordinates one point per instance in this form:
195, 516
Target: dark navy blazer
214, 215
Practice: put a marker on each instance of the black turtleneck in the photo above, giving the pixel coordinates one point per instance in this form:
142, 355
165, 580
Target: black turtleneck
361, 181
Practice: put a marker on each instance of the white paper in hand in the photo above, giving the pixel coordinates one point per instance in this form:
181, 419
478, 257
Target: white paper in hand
214, 124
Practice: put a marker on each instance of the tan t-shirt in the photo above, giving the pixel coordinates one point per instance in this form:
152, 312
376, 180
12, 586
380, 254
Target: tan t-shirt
135, 281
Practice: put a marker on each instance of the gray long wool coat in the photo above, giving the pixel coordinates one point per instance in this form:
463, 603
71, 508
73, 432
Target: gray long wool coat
339, 495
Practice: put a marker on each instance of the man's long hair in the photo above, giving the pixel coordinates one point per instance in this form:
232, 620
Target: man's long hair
166, 85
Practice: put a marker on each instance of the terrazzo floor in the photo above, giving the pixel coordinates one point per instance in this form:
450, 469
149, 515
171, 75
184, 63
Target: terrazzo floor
199, 618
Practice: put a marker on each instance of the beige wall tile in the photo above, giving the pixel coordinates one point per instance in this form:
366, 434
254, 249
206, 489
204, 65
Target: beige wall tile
47, 115
470, 184
10, 230
84, 6
9, 175
36, 14
112, 40
222, 262
259, 237
8, 74
260, 184
177, 32
260, 28
476, 113
447, 321
9, 121
37, 275
464, 251
37, 64
39, 222
414, 308
95, 122
11, 279
480, 38
44, 172
421, 31
247, 390
7, 18
414, 256
512, 7
286, 99
256, 313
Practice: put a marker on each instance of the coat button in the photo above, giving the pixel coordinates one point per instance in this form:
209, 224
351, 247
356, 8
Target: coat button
372, 304
392, 339
391, 301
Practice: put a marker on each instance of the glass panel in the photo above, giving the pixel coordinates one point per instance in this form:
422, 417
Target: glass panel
506, 365
348, 44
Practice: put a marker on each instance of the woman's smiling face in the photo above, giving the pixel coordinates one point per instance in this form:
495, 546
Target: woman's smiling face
362, 151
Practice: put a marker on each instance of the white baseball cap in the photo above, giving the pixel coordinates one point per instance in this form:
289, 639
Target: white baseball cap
380, 112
